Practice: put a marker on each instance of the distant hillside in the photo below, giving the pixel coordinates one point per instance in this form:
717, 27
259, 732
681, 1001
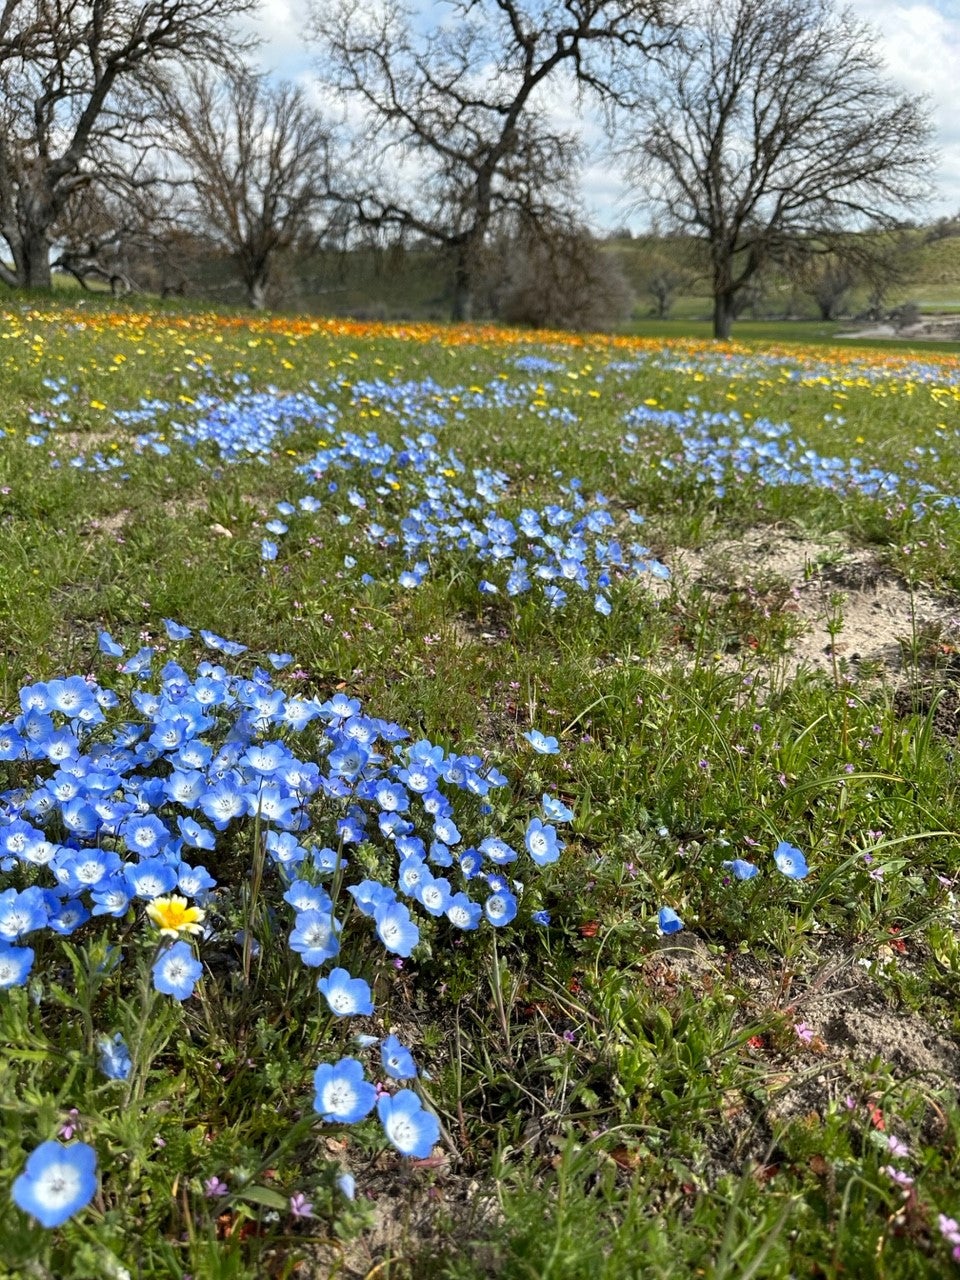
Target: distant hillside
401, 282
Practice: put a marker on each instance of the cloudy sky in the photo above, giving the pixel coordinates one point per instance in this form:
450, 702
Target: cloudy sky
920, 40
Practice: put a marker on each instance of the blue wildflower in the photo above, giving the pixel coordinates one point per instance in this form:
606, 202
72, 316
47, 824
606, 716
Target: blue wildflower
500, 908
314, 935
668, 921
347, 996
397, 1059
57, 1182
463, 913
541, 842
15, 965
176, 971
411, 1129
395, 929
342, 1095
115, 1061
742, 869
790, 861
555, 810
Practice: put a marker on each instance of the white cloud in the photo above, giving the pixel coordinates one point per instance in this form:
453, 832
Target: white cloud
281, 26
919, 40
920, 44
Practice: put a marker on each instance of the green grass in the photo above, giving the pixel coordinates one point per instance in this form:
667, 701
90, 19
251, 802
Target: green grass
717, 1101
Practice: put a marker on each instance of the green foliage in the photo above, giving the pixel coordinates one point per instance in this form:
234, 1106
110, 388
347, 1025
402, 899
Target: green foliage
613, 1101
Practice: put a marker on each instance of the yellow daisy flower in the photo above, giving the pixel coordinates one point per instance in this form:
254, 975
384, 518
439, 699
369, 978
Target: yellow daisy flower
174, 915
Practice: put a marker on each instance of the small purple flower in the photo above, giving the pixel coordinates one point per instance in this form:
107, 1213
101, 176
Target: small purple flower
300, 1206
213, 1187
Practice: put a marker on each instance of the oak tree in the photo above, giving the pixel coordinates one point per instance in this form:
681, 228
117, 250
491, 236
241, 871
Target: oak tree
771, 130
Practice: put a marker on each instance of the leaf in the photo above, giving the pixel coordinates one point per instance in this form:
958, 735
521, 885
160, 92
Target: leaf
264, 1196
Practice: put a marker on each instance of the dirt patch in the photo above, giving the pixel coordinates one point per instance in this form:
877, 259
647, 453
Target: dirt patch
850, 1023
940, 702
107, 526
410, 1217
930, 328
851, 610
83, 441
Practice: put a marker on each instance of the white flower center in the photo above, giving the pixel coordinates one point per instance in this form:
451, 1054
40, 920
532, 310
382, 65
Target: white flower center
58, 1186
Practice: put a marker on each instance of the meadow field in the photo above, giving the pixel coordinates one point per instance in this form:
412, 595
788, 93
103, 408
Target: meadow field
474, 803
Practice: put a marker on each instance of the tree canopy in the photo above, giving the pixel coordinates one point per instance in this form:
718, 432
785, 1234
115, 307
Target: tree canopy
771, 129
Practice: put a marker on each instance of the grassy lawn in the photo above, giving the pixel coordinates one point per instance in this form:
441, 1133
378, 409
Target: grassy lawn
580, 713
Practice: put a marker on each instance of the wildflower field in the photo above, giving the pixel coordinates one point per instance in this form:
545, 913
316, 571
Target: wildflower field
475, 803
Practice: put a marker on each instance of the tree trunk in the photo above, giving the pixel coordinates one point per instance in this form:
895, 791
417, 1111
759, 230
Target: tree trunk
723, 306
32, 260
257, 293
462, 307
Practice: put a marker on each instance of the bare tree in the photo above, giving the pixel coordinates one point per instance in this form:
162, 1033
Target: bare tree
828, 281
566, 281
891, 261
458, 114
663, 279
70, 71
772, 127
256, 156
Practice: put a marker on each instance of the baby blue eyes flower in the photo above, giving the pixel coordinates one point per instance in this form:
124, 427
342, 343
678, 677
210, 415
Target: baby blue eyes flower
342, 1095
790, 861
109, 646
115, 1062
176, 971
174, 630
434, 895
347, 996
15, 965
542, 744
395, 929
463, 913
57, 1182
411, 1129
314, 936
24, 912
268, 549
555, 810
397, 1059
742, 870
668, 921
500, 908
497, 850
541, 843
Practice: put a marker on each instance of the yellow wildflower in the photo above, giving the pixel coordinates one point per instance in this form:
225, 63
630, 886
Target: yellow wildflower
174, 915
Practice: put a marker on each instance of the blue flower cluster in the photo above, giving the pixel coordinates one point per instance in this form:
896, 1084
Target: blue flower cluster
424, 404
718, 449
115, 803
406, 499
